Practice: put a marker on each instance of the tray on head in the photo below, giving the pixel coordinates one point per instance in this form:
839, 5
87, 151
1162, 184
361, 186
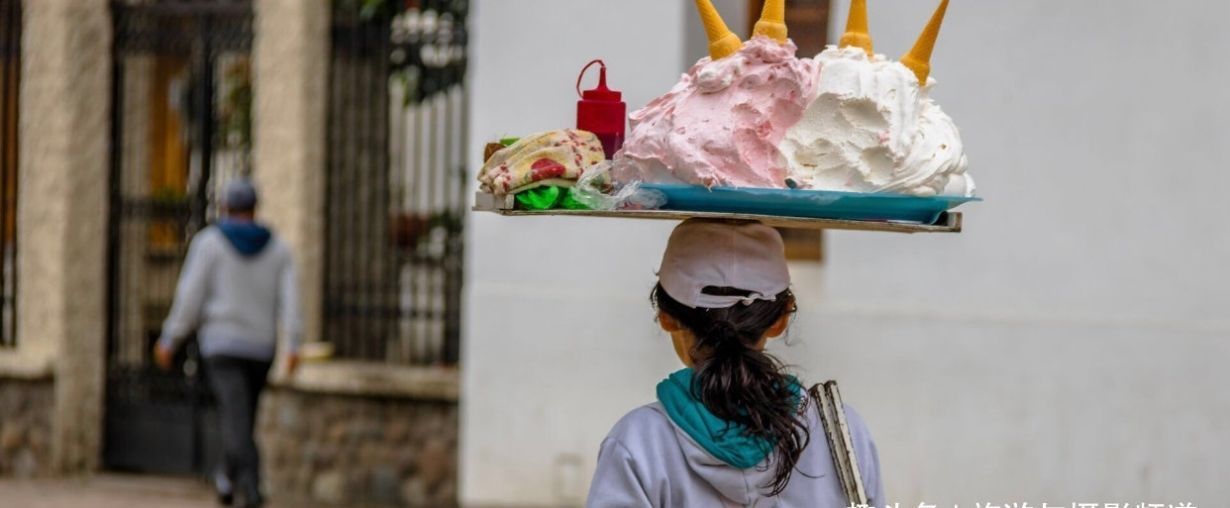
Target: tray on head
947, 222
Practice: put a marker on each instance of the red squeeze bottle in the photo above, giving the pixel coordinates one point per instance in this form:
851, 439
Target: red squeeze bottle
602, 111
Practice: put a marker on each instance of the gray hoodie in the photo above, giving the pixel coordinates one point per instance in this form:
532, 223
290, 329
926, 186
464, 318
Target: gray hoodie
237, 286
648, 461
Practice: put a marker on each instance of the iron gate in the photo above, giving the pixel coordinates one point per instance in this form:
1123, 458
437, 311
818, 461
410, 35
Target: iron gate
181, 127
397, 180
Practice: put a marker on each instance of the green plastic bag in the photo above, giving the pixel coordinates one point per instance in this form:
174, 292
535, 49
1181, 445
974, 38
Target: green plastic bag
539, 198
548, 198
570, 203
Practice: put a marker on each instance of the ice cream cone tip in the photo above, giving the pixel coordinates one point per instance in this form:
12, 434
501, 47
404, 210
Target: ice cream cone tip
919, 57
722, 42
858, 34
772, 22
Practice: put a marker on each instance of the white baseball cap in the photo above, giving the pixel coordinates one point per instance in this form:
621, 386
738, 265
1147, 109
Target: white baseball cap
744, 255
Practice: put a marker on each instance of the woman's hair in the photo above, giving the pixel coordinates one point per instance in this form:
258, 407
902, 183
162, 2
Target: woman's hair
739, 383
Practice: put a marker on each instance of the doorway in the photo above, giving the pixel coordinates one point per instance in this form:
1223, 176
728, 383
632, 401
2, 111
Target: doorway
181, 128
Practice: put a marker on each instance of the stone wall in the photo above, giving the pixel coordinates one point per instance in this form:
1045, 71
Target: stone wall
25, 427
336, 449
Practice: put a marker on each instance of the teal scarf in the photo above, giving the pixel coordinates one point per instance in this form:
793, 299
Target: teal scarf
724, 440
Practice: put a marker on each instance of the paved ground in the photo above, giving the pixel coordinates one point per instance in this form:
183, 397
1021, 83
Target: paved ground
113, 491
106, 491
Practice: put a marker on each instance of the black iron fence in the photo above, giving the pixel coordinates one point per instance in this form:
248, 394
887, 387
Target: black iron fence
181, 129
396, 180
10, 85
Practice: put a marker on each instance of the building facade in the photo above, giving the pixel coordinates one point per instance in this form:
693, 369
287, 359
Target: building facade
121, 119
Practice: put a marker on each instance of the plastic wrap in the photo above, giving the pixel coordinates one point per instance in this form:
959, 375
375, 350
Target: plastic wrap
597, 191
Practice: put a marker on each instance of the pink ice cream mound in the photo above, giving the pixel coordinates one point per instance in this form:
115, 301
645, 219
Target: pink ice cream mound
721, 125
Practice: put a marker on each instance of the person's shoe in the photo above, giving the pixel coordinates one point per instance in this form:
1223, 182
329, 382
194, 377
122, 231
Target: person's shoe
224, 489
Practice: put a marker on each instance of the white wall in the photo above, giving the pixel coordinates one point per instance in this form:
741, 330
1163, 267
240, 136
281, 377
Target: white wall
1069, 346
558, 340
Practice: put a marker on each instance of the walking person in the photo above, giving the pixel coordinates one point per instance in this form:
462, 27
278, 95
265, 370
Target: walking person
733, 428
237, 290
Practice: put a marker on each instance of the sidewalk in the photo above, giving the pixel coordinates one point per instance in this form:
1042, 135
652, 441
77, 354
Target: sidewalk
107, 491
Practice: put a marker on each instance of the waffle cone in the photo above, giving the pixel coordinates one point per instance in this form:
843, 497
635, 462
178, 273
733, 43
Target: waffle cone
772, 22
857, 32
722, 42
919, 57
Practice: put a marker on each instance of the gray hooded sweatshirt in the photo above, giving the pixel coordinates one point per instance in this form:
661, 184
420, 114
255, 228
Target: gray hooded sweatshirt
648, 461
237, 286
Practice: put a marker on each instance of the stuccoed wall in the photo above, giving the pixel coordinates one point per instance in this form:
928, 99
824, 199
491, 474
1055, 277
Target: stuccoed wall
291, 68
351, 450
1068, 347
25, 427
62, 213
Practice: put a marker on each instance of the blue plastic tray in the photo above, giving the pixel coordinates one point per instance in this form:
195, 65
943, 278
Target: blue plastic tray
816, 204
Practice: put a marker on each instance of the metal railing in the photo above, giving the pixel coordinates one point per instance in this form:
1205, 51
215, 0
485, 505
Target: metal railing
10, 85
396, 180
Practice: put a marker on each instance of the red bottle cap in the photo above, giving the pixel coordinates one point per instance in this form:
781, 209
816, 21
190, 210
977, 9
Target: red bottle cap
602, 111
602, 93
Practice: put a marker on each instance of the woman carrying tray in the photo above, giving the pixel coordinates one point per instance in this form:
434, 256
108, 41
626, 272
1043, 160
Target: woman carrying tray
733, 428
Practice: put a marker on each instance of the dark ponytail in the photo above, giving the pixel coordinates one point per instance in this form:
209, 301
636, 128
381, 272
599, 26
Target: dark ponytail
739, 383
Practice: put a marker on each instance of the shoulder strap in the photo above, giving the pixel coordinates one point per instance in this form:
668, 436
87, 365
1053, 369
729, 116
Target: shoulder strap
833, 418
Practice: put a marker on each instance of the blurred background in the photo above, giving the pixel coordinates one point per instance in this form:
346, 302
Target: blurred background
1068, 346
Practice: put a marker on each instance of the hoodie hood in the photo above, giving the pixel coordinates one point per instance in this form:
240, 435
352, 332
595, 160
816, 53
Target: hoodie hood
724, 440
249, 238
716, 450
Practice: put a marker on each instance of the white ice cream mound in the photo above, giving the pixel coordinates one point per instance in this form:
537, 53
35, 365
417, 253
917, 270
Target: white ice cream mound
872, 128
